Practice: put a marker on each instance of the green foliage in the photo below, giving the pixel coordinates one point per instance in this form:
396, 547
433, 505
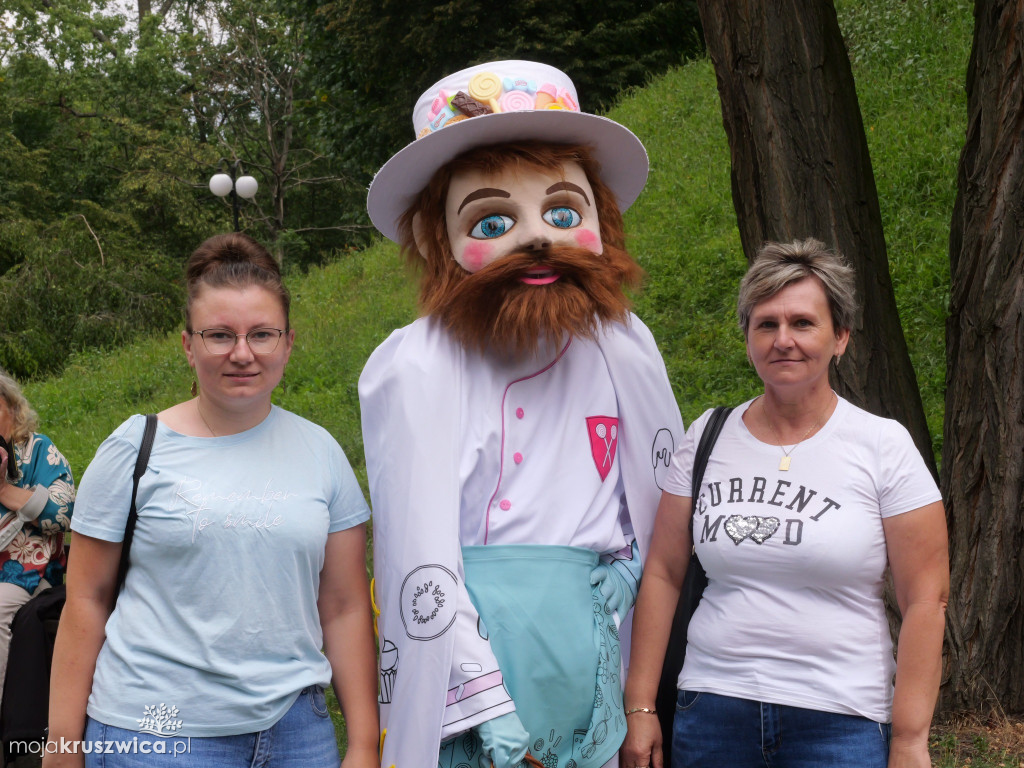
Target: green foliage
373, 59
109, 132
95, 215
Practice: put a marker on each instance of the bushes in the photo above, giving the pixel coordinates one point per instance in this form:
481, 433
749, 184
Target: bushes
53, 302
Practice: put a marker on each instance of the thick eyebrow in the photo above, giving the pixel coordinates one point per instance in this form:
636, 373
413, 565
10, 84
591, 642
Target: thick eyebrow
569, 186
480, 193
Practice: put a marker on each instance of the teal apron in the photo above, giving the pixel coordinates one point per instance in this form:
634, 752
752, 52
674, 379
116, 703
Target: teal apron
558, 649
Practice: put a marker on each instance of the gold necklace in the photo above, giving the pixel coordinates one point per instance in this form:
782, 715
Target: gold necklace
785, 461
208, 423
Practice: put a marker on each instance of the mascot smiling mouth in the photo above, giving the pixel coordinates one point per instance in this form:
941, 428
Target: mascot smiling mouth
540, 276
526, 298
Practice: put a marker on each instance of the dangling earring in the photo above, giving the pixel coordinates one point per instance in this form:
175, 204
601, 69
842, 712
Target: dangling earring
195, 388
838, 358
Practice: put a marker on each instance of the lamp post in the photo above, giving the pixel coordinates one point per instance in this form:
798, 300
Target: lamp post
224, 184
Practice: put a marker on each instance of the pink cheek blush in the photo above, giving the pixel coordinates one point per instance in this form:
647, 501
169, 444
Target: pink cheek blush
588, 240
476, 255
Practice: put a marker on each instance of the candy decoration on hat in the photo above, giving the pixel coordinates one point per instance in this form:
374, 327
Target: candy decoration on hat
442, 118
490, 94
546, 94
519, 84
469, 106
439, 103
567, 100
485, 86
514, 100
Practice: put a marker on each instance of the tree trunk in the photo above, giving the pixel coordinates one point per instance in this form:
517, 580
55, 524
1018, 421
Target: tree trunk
800, 168
983, 451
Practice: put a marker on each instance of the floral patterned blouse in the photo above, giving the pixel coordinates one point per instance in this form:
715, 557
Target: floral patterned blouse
38, 550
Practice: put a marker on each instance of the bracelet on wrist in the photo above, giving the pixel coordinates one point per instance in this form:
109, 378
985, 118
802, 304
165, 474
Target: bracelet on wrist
645, 710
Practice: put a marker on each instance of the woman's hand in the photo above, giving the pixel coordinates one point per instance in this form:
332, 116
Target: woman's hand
60, 759
360, 758
907, 754
642, 746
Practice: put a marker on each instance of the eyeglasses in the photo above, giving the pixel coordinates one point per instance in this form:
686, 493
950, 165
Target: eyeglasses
220, 341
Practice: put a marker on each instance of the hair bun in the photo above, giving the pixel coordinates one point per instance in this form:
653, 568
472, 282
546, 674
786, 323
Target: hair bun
232, 260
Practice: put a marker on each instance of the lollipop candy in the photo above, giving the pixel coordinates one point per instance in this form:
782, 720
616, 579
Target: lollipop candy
485, 86
516, 100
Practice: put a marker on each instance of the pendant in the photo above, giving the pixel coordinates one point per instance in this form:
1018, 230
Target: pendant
784, 464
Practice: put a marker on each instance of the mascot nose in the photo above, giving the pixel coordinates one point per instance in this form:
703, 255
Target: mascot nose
536, 241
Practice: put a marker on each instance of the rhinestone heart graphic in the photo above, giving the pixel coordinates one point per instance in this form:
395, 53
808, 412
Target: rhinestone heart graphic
759, 529
766, 526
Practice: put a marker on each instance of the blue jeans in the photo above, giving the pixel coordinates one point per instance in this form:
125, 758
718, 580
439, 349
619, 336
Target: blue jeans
303, 738
712, 731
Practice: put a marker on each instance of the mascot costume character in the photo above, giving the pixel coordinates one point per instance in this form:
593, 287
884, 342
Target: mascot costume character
515, 434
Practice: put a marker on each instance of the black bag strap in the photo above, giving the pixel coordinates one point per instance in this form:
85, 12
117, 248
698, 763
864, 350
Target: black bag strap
707, 443
141, 463
692, 591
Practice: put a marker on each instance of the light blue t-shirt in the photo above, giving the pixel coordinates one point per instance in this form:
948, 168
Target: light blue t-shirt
217, 623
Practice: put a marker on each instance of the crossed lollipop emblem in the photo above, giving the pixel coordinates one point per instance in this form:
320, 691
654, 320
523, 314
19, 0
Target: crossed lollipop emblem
601, 430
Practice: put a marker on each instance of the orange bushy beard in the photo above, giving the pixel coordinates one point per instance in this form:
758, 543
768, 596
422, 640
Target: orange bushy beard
492, 309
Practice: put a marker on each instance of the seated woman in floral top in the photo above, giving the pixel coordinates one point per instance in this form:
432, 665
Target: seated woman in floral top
37, 494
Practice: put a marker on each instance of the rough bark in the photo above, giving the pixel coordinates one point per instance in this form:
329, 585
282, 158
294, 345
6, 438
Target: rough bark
983, 452
800, 168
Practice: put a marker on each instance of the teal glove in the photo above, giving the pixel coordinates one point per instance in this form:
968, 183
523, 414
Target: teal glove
619, 581
504, 739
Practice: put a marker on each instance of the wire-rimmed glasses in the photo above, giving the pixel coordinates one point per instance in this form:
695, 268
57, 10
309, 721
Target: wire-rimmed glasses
220, 341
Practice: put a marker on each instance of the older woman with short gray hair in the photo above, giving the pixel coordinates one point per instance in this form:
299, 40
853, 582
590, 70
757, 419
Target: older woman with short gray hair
806, 501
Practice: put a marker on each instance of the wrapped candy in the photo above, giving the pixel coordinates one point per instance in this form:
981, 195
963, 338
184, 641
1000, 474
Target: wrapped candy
467, 105
519, 84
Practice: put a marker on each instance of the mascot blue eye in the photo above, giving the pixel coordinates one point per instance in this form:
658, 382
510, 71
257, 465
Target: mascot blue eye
563, 218
491, 226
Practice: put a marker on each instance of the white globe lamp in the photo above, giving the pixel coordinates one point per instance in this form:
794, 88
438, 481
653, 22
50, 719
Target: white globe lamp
246, 187
220, 185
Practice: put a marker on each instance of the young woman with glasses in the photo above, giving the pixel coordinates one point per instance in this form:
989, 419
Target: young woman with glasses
247, 591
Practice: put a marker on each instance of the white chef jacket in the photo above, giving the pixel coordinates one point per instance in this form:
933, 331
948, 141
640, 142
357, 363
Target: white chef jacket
533, 471
414, 393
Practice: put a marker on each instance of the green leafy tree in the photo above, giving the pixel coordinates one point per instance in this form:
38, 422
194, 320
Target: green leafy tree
258, 88
373, 59
99, 203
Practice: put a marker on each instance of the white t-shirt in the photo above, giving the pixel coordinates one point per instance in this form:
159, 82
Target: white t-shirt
793, 611
218, 616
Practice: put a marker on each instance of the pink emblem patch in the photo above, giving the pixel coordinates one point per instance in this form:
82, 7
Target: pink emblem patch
604, 439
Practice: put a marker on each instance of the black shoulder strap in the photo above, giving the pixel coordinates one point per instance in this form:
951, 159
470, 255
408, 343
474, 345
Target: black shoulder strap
707, 442
141, 464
